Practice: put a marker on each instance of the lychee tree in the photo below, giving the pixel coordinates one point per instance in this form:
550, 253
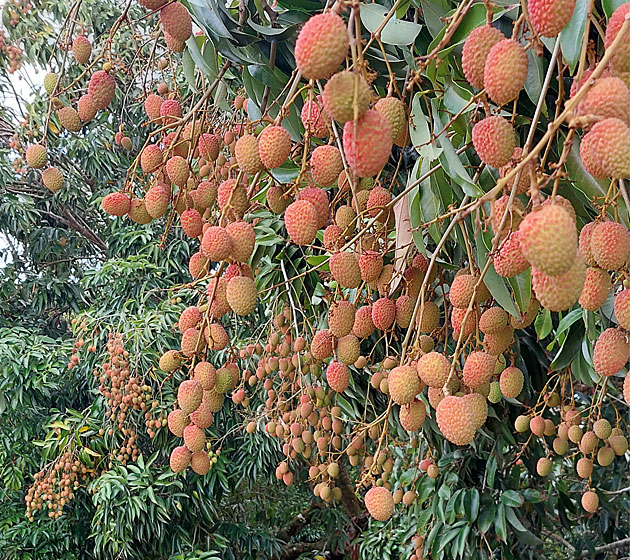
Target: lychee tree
395, 236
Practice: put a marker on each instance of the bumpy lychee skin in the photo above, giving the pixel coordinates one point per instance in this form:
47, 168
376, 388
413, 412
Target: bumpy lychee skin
333, 238
321, 46
478, 369
339, 96
511, 382
191, 221
404, 310
611, 352
50, 82
549, 17
505, 71
85, 108
548, 240
620, 61
608, 97
216, 243
217, 289
605, 149
413, 415
622, 309
479, 407
585, 243
197, 264
69, 119
326, 164
138, 211
156, 200
177, 421
301, 221
318, 198
81, 49
379, 503
559, 293
274, 146
457, 322
314, 119
610, 245
202, 417
626, 389
383, 313
345, 218
192, 342
341, 318
232, 198
247, 155
429, 319
367, 143
102, 88
189, 395
363, 324
393, 109
200, 462
116, 203
590, 501
176, 21
345, 269
433, 368
348, 349
170, 361
454, 417
194, 438
243, 240
404, 384
215, 336
596, 289
524, 178
152, 4
242, 295
509, 260
461, 291
152, 105
493, 320
151, 158
180, 459
494, 140
475, 51
206, 374
177, 170
36, 156
338, 376
496, 343
170, 111
322, 344
377, 202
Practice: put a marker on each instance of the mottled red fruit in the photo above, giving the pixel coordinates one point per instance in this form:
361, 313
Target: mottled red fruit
333, 238
610, 245
585, 243
608, 97
194, 438
180, 459
138, 211
377, 202
152, 105
622, 308
454, 417
596, 289
493, 320
176, 21
177, 421
457, 322
85, 107
626, 389
524, 177
192, 342
318, 198
475, 51
81, 49
170, 111
102, 88
152, 4
197, 265
189, 395
326, 164
233, 199
321, 345
345, 269
548, 239
611, 352
511, 382
404, 384
206, 194
590, 501
371, 265
620, 61
69, 119
338, 376
151, 158
363, 324
208, 145
202, 417
433, 368
393, 109
243, 240
413, 415
216, 243
156, 200
380, 503
301, 221
404, 310
494, 140
341, 318
383, 313
116, 203
509, 260
344, 92
549, 17
605, 149
191, 221
559, 293
242, 295
36, 156
478, 369
177, 170
505, 71
274, 146
461, 291
200, 462
247, 155
314, 119
321, 46
367, 143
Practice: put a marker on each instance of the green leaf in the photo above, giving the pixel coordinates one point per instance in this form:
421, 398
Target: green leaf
611, 5
491, 469
420, 132
499, 523
568, 320
513, 520
511, 498
395, 32
471, 504
486, 517
570, 347
543, 324
535, 77
571, 35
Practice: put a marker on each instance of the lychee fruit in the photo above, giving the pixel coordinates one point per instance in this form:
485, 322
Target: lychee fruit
206, 374
200, 462
318, 198
36, 156
81, 49
494, 140
433, 368
404, 384
274, 146
454, 417
475, 51
511, 382
607, 97
151, 158
314, 119
383, 313
505, 71
622, 308
413, 415
156, 200
321, 345
478, 369
605, 149
208, 145
363, 325
380, 503
549, 17
69, 119
180, 459
338, 376
170, 361
367, 143
326, 164
233, 199
216, 243
590, 501
597, 286
189, 395
152, 105
194, 438
610, 245
242, 295
344, 92
170, 111
243, 240
620, 61
611, 352
116, 203
341, 317
189, 318
176, 21
301, 221
393, 109
177, 421
102, 88
344, 268
493, 320
559, 293
509, 260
